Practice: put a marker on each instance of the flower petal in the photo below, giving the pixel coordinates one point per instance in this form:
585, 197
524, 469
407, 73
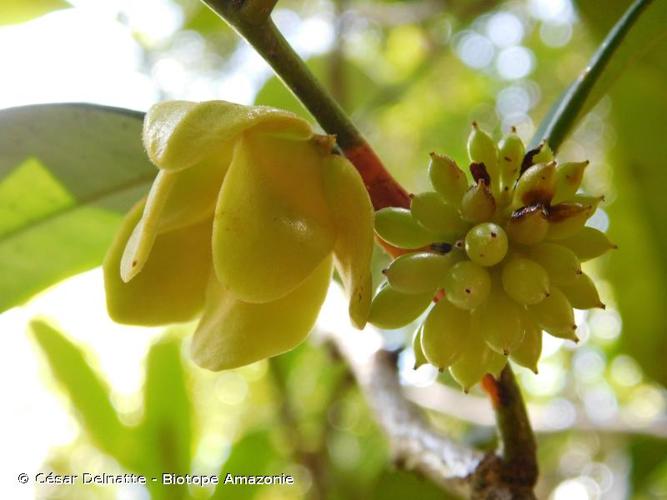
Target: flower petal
234, 333
272, 225
172, 283
179, 134
195, 191
352, 212
141, 240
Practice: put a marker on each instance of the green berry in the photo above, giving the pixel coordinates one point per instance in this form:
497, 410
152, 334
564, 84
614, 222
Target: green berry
525, 280
398, 227
467, 285
446, 331
486, 244
392, 309
443, 220
420, 272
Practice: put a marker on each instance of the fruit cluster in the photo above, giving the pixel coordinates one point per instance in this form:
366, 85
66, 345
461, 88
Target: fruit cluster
500, 258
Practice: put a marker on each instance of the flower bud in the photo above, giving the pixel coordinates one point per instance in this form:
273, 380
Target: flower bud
478, 204
447, 178
528, 225
535, 186
568, 180
446, 331
482, 149
567, 219
529, 351
512, 151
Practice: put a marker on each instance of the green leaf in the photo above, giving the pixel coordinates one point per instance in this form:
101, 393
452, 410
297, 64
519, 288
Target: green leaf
649, 469
87, 392
638, 211
254, 454
166, 430
637, 217
398, 484
18, 11
67, 174
579, 96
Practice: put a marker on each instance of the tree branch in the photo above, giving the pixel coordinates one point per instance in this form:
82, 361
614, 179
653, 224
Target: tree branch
518, 445
414, 443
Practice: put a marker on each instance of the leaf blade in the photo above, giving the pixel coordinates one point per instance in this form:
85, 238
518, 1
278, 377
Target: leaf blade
90, 165
86, 390
166, 430
564, 114
19, 11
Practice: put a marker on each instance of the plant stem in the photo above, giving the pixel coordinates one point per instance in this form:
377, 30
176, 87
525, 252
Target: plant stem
518, 445
267, 40
562, 117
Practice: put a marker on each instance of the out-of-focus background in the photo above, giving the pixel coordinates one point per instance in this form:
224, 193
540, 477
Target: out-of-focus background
95, 396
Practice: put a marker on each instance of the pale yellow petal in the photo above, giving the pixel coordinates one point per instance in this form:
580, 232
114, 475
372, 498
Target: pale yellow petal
352, 213
140, 242
234, 333
272, 223
180, 134
172, 284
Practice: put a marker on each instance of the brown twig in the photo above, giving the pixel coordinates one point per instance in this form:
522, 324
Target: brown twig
518, 459
415, 444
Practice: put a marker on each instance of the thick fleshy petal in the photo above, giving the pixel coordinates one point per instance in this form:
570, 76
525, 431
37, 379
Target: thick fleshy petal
141, 240
272, 223
172, 284
352, 213
195, 191
180, 134
233, 333
176, 199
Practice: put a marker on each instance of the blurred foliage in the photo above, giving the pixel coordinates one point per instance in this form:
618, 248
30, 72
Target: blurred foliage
638, 213
360, 87
18, 11
88, 393
413, 83
318, 430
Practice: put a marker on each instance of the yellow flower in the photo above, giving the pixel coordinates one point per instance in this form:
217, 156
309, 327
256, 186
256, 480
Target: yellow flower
240, 228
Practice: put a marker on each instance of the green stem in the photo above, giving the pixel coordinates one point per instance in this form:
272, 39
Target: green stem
267, 40
563, 116
271, 45
518, 462
257, 11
